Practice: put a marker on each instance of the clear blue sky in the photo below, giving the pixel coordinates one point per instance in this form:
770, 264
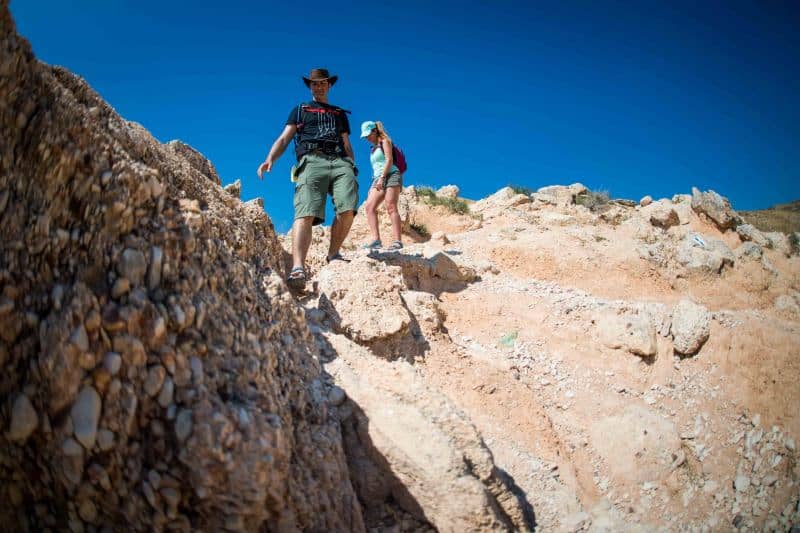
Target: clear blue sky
630, 97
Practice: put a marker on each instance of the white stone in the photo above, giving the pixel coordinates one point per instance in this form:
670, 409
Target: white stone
105, 439
165, 396
154, 380
132, 265
741, 483
183, 424
154, 273
24, 419
85, 416
112, 362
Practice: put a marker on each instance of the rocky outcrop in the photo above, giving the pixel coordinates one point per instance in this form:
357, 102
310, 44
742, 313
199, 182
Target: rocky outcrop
157, 373
448, 191
704, 254
661, 214
234, 189
716, 208
195, 159
363, 299
560, 195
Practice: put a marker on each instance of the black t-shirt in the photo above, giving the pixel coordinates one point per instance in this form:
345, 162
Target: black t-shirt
319, 124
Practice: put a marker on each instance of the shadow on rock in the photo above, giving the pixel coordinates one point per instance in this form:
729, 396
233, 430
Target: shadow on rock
434, 272
409, 445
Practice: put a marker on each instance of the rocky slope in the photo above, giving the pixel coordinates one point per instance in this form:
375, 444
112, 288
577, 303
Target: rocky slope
543, 362
630, 367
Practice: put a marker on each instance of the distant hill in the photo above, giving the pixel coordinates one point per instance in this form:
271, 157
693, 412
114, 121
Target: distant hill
782, 217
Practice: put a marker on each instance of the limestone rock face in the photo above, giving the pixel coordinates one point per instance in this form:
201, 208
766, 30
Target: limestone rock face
118, 257
715, 207
691, 327
363, 298
429, 445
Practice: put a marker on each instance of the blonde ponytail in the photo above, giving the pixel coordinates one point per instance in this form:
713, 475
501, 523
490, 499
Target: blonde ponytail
382, 133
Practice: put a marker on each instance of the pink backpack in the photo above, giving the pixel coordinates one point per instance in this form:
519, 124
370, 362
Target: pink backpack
398, 157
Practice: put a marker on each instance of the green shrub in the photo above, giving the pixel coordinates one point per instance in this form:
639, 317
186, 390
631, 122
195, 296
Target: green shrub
508, 339
520, 189
593, 200
454, 205
421, 229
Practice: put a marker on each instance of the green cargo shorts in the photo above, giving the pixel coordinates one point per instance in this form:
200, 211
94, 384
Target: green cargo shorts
319, 175
394, 179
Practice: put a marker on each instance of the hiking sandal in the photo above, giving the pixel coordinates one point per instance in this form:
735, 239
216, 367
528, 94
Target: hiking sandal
336, 257
297, 278
396, 245
374, 245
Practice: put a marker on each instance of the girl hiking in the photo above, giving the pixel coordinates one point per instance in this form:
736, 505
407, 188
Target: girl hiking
387, 182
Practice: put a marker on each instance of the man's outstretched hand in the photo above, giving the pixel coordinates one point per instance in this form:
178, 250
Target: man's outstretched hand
266, 166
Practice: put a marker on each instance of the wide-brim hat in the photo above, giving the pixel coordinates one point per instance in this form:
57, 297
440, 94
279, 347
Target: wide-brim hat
319, 74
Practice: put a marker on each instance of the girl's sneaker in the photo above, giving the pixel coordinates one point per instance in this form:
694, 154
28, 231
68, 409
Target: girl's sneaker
374, 245
396, 245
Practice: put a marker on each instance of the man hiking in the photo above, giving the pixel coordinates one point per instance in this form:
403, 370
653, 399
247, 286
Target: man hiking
325, 165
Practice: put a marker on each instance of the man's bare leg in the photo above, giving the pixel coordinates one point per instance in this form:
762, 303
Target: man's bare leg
301, 240
339, 230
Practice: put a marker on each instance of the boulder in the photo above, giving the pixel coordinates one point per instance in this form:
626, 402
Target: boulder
560, 195
630, 330
749, 250
363, 299
779, 242
691, 327
660, 214
645, 201
748, 232
496, 203
704, 254
448, 191
715, 207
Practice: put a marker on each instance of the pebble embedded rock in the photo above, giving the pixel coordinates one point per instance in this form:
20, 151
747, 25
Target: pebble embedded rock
24, 419
132, 265
154, 380
85, 414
